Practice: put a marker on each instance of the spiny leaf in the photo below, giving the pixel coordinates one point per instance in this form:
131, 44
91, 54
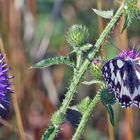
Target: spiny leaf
49, 134
82, 106
92, 82
126, 22
86, 47
54, 61
111, 113
105, 14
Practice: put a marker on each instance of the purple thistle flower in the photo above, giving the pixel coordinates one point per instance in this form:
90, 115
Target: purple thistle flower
128, 55
5, 88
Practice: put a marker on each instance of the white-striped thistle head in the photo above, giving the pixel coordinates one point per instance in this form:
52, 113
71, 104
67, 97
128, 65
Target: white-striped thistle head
5, 89
77, 35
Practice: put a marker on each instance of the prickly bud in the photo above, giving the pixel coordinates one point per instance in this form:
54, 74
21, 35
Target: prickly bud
96, 69
77, 35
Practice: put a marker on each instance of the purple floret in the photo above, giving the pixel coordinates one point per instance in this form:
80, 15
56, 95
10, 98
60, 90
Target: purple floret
5, 88
128, 55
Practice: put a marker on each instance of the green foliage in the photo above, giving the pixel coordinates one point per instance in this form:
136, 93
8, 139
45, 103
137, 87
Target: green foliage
85, 47
111, 113
77, 35
49, 134
82, 106
54, 61
92, 82
57, 118
105, 14
108, 99
107, 96
127, 22
132, 10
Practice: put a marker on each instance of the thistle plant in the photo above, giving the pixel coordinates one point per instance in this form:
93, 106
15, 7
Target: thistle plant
115, 77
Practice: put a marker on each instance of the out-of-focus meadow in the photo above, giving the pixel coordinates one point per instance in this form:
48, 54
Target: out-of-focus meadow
32, 30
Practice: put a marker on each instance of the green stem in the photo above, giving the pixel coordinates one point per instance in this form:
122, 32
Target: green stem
78, 74
79, 59
86, 117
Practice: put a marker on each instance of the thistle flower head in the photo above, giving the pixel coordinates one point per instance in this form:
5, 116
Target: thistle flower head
128, 55
5, 89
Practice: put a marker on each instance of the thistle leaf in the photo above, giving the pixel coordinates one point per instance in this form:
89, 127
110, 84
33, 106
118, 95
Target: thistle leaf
111, 113
82, 106
105, 14
54, 61
86, 47
49, 133
92, 82
127, 22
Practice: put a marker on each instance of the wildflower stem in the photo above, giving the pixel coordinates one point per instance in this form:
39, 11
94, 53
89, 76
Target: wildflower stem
86, 117
79, 57
82, 69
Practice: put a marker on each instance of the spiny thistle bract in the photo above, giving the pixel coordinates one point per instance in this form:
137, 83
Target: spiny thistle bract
5, 88
77, 35
107, 95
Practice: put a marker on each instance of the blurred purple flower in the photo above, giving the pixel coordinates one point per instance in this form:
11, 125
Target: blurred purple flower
128, 54
5, 88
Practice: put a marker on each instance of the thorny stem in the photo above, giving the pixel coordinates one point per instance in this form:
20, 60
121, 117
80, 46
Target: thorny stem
86, 117
79, 58
78, 74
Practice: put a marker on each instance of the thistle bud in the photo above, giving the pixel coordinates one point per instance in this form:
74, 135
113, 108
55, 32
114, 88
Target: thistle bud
77, 35
96, 69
